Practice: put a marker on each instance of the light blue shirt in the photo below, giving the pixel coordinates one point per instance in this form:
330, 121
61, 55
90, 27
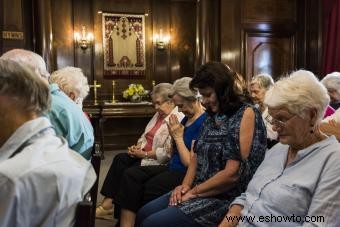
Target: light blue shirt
42, 184
70, 122
309, 187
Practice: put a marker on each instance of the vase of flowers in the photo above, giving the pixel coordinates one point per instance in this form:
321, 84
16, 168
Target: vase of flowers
135, 93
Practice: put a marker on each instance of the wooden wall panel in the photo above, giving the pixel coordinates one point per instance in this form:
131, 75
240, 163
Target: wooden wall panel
271, 55
269, 10
62, 33
183, 38
15, 18
82, 15
231, 45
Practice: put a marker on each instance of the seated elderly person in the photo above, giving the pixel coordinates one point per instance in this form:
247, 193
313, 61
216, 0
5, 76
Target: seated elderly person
299, 177
152, 148
141, 184
66, 117
230, 147
259, 85
331, 125
41, 179
332, 83
72, 82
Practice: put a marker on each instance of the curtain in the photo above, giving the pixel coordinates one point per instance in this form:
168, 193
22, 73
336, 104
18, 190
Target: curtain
331, 36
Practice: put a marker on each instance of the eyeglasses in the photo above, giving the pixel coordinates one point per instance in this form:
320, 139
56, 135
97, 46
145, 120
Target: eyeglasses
276, 122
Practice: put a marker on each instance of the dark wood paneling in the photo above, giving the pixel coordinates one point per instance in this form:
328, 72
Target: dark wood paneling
43, 31
161, 58
62, 33
231, 45
1, 25
310, 35
269, 54
208, 32
12, 16
269, 10
83, 16
183, 38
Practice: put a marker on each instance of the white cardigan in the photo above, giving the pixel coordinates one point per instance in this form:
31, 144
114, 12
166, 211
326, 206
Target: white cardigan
162, 140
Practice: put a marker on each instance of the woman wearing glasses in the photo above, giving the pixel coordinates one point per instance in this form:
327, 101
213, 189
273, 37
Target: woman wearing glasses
259, 85
229, 148
152, 148
298, 183
141, 184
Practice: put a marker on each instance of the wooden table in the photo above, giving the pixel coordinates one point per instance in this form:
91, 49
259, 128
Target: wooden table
119, 125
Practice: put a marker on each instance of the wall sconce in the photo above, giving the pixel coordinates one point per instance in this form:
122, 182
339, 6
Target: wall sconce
83, 40
161, 40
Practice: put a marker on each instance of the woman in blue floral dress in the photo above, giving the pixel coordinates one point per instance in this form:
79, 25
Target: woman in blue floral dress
230, 147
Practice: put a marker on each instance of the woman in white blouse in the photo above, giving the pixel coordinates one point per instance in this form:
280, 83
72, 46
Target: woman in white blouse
152, 148
298, 183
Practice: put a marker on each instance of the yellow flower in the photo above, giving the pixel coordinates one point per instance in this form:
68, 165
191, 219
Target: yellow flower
134, 89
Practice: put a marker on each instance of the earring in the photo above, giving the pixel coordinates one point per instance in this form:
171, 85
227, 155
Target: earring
312, 129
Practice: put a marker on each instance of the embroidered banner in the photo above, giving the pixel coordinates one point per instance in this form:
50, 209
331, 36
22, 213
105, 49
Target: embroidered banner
124, 46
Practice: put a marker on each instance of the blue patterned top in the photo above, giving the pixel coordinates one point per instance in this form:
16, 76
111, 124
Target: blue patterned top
218, 142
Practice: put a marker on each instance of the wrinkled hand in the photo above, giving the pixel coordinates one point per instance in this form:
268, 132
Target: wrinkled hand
135, 151
177, 193
176, 129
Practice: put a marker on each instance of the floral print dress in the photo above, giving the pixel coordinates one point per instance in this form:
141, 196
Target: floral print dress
218, 142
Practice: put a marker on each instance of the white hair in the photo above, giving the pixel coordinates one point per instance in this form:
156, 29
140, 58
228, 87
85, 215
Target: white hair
263, 80
332, 81
298, 93
33, 60
71, 79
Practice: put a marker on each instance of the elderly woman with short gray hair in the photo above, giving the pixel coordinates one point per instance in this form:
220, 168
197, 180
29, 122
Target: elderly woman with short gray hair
332, 83
299, 177
259, 85
152, 148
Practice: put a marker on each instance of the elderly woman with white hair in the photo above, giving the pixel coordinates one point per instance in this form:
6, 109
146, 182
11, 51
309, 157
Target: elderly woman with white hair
68, 120
259, 85
332, 83
72, 82
299, 178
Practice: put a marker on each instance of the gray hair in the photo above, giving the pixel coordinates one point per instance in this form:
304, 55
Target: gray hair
332, 81
163, 90
21, 84
181, 87
264, 81
71, 79
33, 60
298, 93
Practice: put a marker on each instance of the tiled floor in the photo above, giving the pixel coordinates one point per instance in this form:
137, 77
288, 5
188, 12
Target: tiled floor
105, 165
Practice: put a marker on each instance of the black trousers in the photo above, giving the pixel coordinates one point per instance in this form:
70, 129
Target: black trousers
142, 184
112, 181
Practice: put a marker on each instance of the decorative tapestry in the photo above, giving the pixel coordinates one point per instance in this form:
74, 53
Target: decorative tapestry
124, 46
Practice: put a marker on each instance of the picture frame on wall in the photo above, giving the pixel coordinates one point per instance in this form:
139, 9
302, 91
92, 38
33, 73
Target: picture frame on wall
124, 46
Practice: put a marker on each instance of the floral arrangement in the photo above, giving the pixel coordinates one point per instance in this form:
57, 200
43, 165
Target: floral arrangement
135, 92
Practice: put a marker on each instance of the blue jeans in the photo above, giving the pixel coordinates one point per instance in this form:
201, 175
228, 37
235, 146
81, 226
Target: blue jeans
157, 213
